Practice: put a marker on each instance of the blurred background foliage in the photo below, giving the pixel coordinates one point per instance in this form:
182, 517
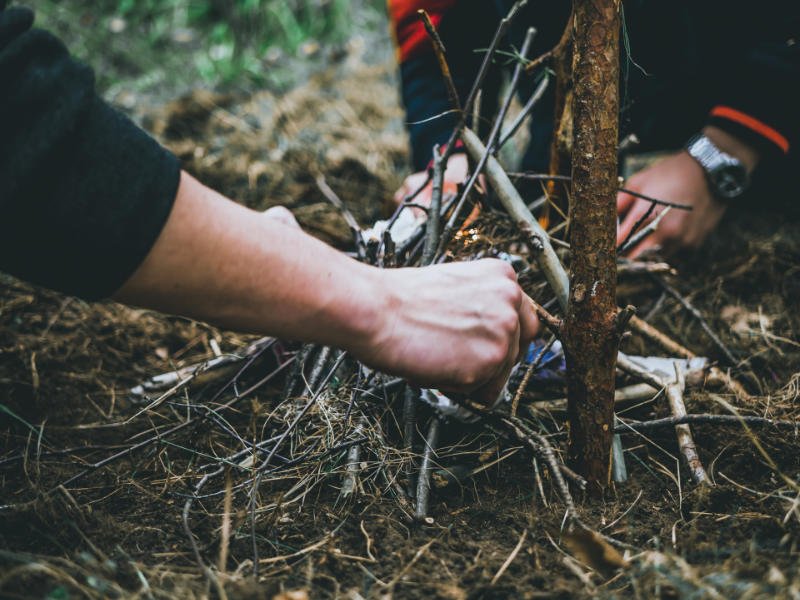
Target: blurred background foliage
160, 48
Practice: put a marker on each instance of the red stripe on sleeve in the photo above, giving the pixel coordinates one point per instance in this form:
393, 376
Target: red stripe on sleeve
408, 29
761, 128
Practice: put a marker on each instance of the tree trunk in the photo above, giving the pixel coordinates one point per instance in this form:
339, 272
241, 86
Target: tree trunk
590, 335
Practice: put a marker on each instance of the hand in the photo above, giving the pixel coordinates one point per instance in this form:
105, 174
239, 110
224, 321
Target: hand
678, 178
455, 173
459, 327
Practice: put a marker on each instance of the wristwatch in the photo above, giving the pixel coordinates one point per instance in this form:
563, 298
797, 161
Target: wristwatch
726, 175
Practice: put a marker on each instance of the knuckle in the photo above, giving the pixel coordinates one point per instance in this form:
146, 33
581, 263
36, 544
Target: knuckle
468, 379
508, 322
507, 271
495, 356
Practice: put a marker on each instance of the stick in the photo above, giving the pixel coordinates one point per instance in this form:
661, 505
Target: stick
635, 237
331, 197
432, 231
439, 51
527, 376
526, 110
697, 315
631, 393
409, 428
510, 558
424, 481
707, 419
350, 483
636, 194
674, 393
715, 374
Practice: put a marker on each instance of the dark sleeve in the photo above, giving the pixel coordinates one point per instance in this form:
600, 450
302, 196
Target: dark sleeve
759, 100
84, 193
465, 27
761, 105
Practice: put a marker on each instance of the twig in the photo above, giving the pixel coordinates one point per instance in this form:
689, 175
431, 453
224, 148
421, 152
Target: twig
553, 323
331, 197
674, 392
528, 372
697, 315
631, 393
424, 480
439, 51
318, 368
409, 429
510, 558
669, 345
628, 267
707, 419
619, 471
636, 194
432, 227
350, 483
526, 110
635, 237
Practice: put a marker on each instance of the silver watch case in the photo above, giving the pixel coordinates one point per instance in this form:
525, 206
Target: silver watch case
726, 175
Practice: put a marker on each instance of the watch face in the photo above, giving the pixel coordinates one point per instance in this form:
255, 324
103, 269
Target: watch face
730, 181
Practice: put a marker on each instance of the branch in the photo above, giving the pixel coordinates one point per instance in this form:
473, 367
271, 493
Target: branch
674, 392
439, 51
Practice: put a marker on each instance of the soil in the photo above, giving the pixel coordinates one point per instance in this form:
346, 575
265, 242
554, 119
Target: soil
66, 369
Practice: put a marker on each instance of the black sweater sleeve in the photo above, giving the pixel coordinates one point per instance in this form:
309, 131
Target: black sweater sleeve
84, 193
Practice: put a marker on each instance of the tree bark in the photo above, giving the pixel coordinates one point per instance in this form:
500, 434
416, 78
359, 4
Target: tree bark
591, 338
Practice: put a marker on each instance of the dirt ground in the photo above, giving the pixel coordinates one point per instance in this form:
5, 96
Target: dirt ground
66, 369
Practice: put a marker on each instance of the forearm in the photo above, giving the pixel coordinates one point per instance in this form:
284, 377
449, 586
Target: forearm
220, 262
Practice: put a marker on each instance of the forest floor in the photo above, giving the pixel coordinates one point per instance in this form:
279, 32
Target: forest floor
66, 368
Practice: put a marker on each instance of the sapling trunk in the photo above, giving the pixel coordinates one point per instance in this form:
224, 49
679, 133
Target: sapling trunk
590, 334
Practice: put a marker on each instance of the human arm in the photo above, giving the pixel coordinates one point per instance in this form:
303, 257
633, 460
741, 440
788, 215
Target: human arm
457, 326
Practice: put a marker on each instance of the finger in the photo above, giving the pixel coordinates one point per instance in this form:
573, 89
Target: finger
529, 323
649, 243
401, 193
624, 202
490, 392
631, 219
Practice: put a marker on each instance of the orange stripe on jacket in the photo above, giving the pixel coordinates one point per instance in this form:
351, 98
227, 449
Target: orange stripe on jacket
761, 128
409, 32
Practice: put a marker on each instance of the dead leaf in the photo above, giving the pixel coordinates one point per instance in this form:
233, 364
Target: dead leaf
591, 549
